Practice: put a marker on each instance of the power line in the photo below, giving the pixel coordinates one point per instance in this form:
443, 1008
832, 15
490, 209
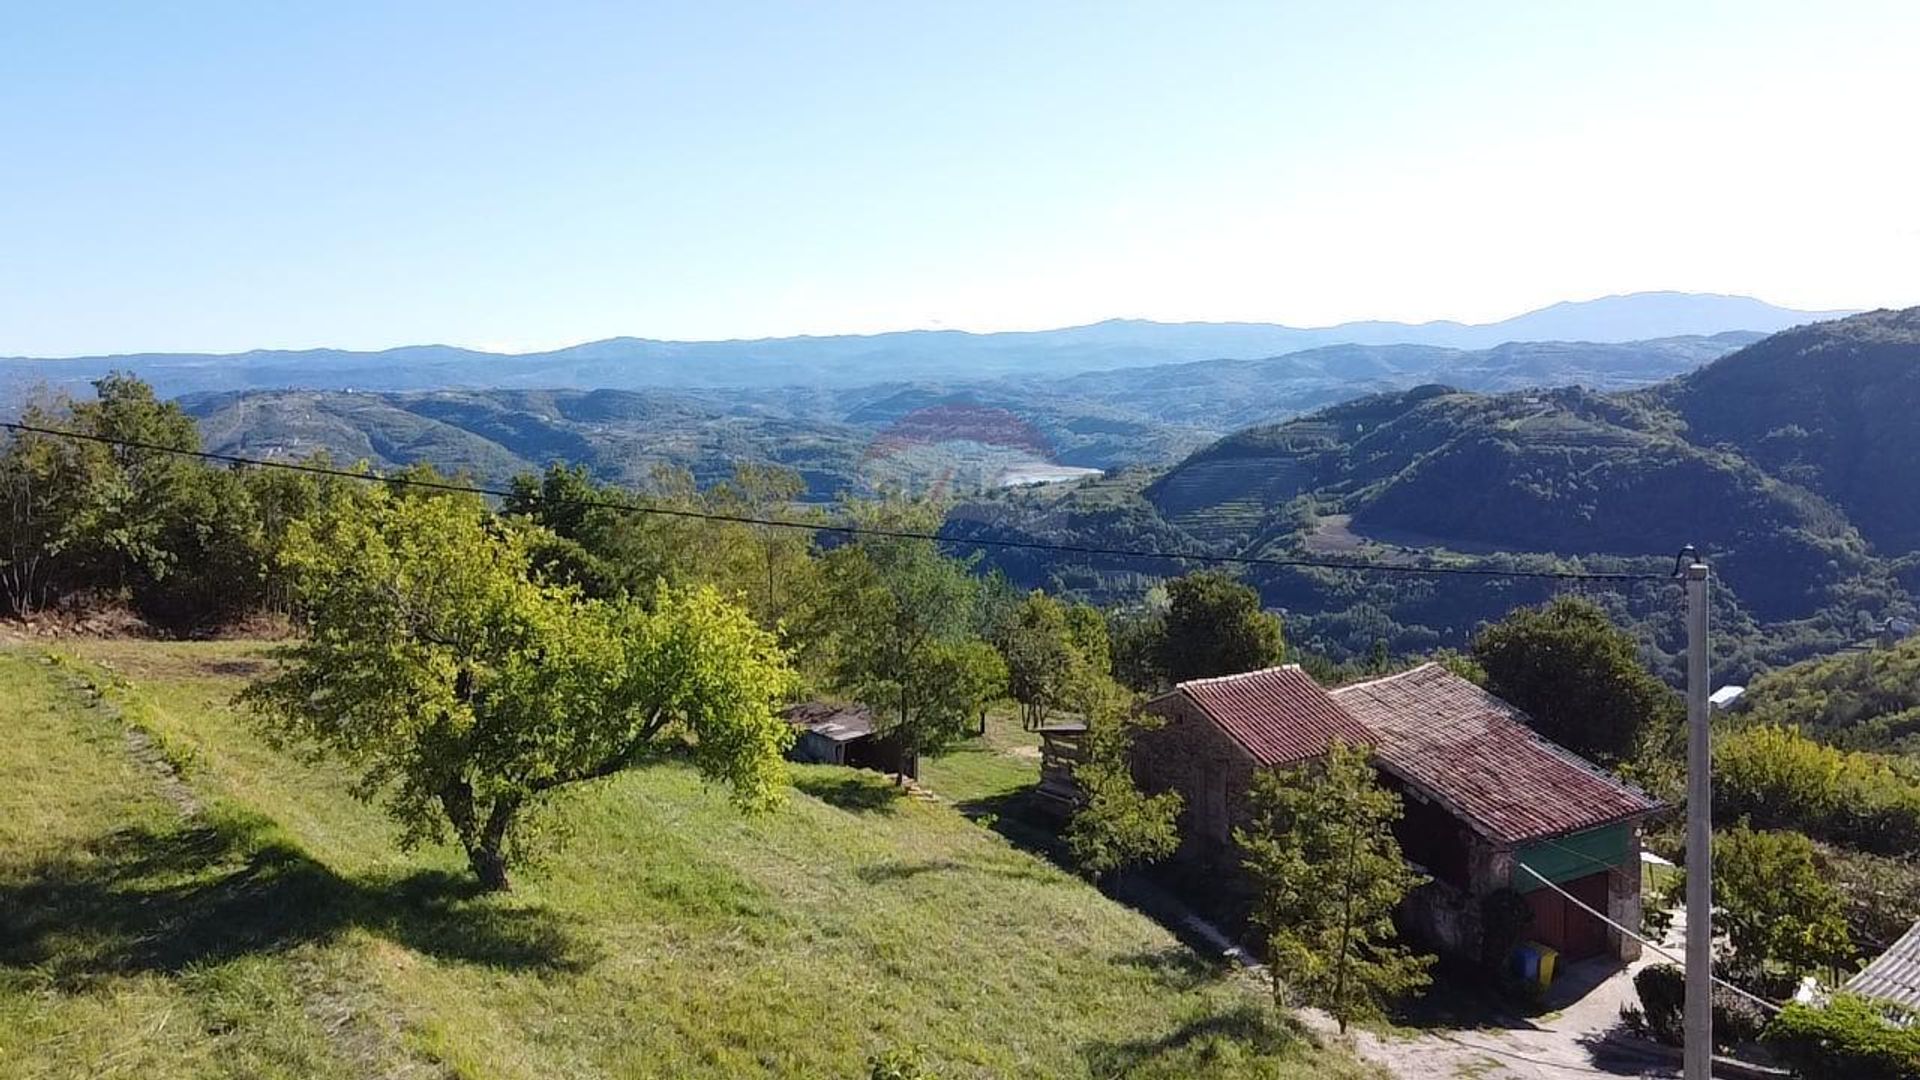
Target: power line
857, 530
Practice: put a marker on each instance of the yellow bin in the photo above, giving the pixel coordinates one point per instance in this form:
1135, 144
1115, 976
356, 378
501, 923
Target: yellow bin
1548, 955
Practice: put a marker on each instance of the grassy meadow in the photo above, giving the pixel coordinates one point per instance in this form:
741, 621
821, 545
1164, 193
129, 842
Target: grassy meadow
178, 899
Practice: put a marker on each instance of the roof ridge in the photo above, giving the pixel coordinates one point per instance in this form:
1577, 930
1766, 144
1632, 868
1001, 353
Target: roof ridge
1378, 679
1210, 680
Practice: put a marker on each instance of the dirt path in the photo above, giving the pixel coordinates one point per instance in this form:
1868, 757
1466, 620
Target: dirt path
1566, 1043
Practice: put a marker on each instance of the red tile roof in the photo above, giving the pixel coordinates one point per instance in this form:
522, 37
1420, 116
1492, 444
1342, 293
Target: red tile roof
1476, 756
1279, 714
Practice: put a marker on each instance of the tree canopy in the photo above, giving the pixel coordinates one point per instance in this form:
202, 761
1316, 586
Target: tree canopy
1776, 907
894, 622
1117, 825
1328, 875
466, 690
1054, 653
1577, 676
1214, 625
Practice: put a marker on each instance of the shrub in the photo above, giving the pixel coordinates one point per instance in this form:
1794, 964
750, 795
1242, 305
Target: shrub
1663, 1009
1663, 995
1780, 779
1505, 919
1849, 1039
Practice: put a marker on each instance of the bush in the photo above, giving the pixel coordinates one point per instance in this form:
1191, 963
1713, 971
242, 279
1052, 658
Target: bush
1663, 996
1780, 779
1663, 1009
1505, 919
1849, 1039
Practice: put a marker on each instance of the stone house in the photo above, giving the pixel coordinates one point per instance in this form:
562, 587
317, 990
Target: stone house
1489, 803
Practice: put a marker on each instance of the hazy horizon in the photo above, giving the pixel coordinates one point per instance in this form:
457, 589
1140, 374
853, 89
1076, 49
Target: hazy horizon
566, 343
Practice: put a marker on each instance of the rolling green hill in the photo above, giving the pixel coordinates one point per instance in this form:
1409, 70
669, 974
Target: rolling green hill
1789, 463
915, 437
1866, 699
178, 899
959, 436
1831, 407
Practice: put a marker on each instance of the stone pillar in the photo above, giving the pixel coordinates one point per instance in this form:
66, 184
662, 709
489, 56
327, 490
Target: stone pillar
1623, 902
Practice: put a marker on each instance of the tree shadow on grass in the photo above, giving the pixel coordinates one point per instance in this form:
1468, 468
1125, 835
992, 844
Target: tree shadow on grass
140, 899
857, 793
1014, 815
900, 870
1179, 968
1247, 1028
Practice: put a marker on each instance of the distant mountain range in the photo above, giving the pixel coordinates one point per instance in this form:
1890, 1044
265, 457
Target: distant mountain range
915, 355
961, 435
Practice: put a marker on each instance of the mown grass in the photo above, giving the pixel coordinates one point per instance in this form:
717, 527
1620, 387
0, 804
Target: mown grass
278, 931
1001, 763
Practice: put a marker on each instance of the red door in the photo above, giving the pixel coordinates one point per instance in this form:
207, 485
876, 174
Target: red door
1561, 924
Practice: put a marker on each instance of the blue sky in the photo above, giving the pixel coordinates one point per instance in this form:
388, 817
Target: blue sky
227, 176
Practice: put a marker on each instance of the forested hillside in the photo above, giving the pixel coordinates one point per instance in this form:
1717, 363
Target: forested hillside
1868, 699
955, 436
920, 438
1830, 407
1788, 462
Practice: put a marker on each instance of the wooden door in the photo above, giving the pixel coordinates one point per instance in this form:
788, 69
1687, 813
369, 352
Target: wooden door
1559, 923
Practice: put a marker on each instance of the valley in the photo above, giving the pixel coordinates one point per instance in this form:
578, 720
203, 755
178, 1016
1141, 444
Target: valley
1782, 456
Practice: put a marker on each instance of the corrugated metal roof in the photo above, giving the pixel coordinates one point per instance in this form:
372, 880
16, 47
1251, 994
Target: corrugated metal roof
1279, 714
1894, 975
1476, 755
841, 723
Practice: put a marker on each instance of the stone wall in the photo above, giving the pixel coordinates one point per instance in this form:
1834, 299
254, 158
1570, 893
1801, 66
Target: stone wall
1191, 755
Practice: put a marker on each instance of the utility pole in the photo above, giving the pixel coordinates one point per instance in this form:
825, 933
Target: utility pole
1698, 1044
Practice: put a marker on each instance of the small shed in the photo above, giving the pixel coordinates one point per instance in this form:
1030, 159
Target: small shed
830, 733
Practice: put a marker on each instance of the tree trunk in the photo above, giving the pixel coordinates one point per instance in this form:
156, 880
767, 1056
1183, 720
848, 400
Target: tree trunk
904, 745
1346, 928
485, 843
490, 866
488, 854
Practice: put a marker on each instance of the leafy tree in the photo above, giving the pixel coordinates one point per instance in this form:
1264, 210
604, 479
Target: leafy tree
1117, 825
1046, 645
125, 513
134, 493
1775, 905
1577, 676
41, 494
1460, 664
1087, 631
1214, 625
1134, 640
467, 692
1780, 779
768, 567
1328, 875
893, 620
600, 541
